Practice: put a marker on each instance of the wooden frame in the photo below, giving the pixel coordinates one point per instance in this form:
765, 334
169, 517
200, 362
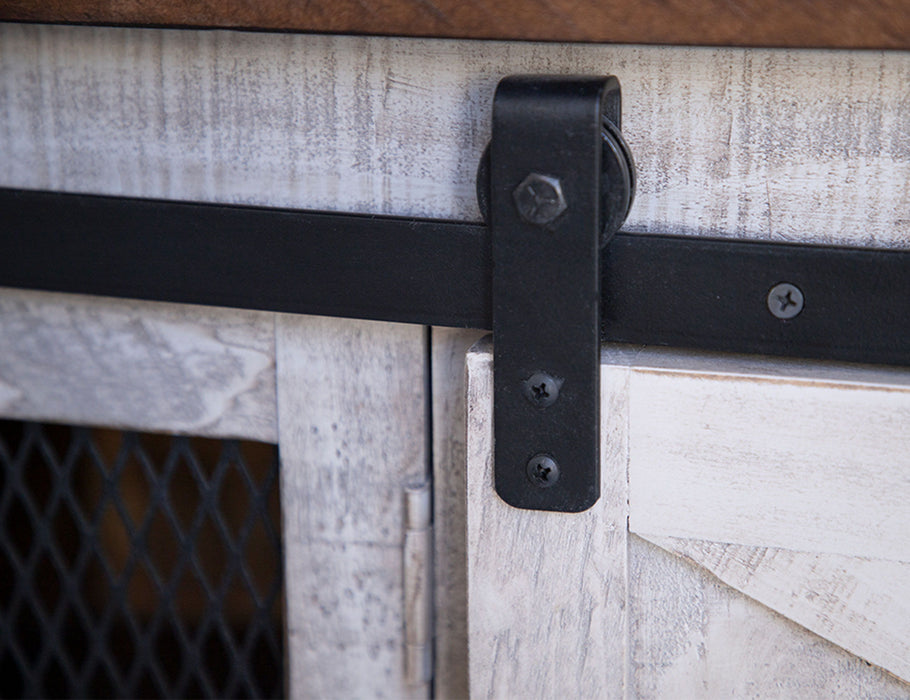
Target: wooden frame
344, 401
840, 24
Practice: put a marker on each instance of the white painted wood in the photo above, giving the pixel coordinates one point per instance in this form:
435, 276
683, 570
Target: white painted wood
759, 144
801, 466
863, 605
137, 365
792, 462
687, 633
546, 591
418, 585
692, 636
448, 349
780, 144
351, 416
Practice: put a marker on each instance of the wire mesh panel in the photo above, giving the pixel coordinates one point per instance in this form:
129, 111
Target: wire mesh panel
136, 565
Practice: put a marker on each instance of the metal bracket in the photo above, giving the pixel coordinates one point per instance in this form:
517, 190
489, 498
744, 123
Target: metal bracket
545, 220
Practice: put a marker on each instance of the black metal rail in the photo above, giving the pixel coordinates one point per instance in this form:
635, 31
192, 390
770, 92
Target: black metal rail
657, 290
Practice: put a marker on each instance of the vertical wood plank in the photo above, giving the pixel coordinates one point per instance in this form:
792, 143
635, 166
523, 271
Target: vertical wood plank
546, 591
351, 425
449, 347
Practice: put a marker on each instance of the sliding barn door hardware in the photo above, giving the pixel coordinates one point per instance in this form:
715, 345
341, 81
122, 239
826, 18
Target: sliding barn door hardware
551, 209
545, 274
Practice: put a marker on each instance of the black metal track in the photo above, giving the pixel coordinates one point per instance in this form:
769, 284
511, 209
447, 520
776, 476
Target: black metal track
657, 290
383, 268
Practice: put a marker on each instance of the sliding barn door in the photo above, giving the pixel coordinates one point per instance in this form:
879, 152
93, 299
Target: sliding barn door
750, 540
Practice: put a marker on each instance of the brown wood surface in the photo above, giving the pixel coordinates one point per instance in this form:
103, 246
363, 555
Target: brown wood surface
793, 23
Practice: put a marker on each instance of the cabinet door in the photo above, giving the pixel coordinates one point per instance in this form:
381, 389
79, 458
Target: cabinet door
751, 539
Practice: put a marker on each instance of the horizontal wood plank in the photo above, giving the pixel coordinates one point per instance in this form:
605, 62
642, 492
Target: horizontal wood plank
776, 145
803, 23
137, 365
779, 457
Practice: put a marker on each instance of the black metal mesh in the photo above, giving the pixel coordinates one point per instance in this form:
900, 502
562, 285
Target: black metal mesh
136, 565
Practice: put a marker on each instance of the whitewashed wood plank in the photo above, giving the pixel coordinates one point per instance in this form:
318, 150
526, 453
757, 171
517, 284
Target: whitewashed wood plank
862, 605
689, 634
137, 365
758, 459
774, 144
352, 435
546, 591
448, 349
418, 586
692, 636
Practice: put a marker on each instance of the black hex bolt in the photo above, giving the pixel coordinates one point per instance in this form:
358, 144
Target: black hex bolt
541, 389
539, 199
543, 471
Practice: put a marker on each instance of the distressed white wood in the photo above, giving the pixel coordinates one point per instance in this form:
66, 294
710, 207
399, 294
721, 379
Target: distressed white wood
137, 365
692, 636
780, 144
761, 144
687, 633
773, 461
863, 605
418, 585
448, 349
798, 474
546, 591
351, 416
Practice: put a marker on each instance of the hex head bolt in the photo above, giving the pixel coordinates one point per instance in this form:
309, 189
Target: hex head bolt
539, 199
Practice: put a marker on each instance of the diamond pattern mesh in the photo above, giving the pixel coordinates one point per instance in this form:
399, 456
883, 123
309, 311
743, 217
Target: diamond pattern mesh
136, 565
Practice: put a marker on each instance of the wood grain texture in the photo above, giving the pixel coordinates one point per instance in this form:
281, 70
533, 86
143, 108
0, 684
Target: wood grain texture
448, 349
137, 365
761, 144
781, 145
418, 585
687, 633
790, 462
351, 416
802, 23
546, 591
692, 636
862, 605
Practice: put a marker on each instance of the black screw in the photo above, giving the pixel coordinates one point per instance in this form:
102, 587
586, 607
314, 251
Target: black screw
541, 389
785, 300
543, 471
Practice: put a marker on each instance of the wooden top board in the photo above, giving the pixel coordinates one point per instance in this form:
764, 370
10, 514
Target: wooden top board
854, 24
